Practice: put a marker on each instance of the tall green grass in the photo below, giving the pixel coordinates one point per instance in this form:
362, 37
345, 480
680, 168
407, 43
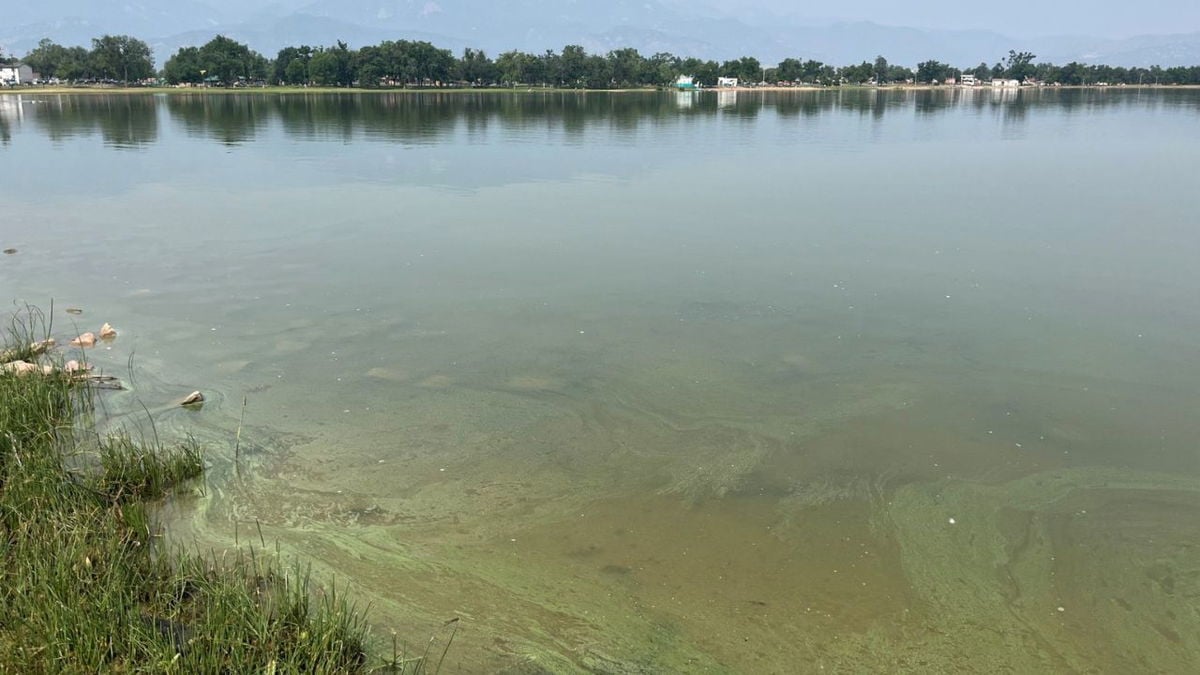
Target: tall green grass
87, 585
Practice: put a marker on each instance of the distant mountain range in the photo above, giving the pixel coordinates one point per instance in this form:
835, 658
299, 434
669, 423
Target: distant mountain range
677, 26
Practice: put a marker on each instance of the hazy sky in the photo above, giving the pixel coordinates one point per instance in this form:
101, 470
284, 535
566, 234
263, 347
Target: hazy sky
1020, 18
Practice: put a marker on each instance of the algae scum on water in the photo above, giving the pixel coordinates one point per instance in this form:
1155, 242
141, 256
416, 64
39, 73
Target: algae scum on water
752, 382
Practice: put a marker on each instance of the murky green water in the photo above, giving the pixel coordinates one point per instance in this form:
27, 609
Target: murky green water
644, 383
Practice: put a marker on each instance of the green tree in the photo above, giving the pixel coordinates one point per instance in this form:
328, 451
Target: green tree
858, 74
572, 66
475, 67
880, 70
371, 64
745, 69
790, 70
1072, 74
934, 71
48, 58
226, 60
1019, 65
232, 61
662, 68
815, 71
332, 66
184, 66
626, 67
597, 72
705, 72
120, 57
899, 74
323, 68
516, 68
291, 65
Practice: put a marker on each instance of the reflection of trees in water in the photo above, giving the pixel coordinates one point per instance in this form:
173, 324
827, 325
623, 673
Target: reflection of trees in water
123, 121
230, 119
129, 121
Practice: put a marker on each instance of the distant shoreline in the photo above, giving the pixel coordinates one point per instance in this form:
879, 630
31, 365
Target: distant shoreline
293, 90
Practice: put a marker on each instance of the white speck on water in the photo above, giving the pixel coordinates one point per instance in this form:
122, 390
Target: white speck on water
581, 332
952, 521
443, 469
1062, 609
382, 461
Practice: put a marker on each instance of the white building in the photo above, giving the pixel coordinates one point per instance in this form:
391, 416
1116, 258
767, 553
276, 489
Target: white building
1006, 84
17, 73
727, 82
968, 80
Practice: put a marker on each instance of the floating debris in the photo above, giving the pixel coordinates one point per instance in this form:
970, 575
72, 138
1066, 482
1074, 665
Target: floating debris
194, 398
10, 251
74, 310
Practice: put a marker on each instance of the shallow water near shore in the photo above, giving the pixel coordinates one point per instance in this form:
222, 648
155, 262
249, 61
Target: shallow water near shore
760, 382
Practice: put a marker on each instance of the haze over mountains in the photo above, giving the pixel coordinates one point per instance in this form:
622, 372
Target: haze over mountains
712, 29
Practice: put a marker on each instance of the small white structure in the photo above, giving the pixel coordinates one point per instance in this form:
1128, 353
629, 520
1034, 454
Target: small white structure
727, 82
1005, 84
968, 80
685, 82
17, 73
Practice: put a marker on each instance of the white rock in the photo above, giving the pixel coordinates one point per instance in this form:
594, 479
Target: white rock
20, 368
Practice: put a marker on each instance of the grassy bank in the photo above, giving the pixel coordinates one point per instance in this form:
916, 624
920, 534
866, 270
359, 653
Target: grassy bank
88, 585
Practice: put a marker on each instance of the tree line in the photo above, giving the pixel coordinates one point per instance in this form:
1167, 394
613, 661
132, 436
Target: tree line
404, 63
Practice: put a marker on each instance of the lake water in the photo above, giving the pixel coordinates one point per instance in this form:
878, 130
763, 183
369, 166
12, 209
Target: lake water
754, 382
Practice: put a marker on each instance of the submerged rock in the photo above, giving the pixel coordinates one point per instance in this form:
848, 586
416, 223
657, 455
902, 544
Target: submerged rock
20, 368
194, 398
74, 310
107, 332
85, 340
9, 251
